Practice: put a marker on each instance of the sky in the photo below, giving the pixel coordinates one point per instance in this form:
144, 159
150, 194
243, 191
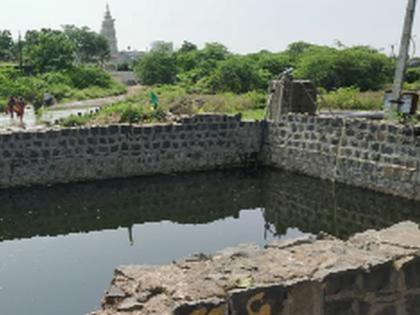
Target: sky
244, 26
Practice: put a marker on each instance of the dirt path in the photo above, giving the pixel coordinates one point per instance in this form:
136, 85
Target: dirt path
98, 102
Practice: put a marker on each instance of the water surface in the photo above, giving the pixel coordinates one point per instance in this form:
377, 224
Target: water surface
59, 246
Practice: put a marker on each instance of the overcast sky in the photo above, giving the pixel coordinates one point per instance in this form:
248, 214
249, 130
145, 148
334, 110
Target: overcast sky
242, 25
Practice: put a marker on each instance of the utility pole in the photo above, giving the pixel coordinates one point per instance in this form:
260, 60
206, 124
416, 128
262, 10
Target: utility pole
403, 56
20, 52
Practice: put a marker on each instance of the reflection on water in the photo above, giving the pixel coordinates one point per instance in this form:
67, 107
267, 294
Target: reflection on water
60, 245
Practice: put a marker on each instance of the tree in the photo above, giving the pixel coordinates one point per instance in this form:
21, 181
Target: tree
157, 67
7, 46
295, 50
90, 46
187, 47
238, 75
362, 67
319, 65
274, 63
214, 52
48, 50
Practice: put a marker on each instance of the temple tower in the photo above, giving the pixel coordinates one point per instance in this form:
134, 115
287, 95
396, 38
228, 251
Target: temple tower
108, 31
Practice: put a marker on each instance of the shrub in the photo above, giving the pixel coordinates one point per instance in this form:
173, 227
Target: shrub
132, 114
238, 75
83, 77
351, 99
413, 75
157, 67
330, 68
74, 120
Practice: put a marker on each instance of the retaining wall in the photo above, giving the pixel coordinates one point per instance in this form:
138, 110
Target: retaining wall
374, 273
204, 142
364, 153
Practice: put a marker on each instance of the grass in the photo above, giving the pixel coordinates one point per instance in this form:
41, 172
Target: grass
175, 100
93, 92
351, 99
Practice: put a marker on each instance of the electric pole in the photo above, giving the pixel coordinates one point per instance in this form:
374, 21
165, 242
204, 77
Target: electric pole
403, 55
20, 53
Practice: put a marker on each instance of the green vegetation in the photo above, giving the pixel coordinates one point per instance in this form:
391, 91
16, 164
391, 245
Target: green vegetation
65, 64
176, 101
213, 79
79, 82
349, 78
213, 69
350, 99
7, 46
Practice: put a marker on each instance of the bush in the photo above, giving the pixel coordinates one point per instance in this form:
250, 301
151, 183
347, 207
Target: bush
238, 75
74, 120
330, 68
132, 114
351, 99
413, 75
83, 77
157, 67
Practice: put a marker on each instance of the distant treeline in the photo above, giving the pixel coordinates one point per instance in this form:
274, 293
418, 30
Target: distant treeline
215, 69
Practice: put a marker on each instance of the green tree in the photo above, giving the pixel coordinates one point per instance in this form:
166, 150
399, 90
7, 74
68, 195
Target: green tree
362, 67
238, 75
187, 57
274, 63
187, 47
48, 50
90, 46
157, 67
319, 65
413, 75
297, 49
7, 46
195, 66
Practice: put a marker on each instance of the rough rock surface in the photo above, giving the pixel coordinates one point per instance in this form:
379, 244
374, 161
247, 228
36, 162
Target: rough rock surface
376, 272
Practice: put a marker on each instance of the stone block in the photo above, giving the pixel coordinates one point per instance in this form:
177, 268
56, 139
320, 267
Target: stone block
211, 307
265, 300
411, 272
342, 283
305, 298
412, 304
341, 307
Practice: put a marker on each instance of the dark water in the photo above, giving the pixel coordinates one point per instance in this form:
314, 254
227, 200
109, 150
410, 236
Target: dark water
59, 246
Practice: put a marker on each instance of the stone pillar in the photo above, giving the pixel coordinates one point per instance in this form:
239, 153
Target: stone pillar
290, 96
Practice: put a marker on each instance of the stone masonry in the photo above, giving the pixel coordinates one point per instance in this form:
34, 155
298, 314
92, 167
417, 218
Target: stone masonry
369, 154
204, 142
363, 153
373, 273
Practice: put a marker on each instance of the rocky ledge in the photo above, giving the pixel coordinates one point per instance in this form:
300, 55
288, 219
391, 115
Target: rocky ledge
376, 272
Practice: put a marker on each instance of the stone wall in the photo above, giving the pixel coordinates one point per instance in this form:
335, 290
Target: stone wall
368, 154
204, 142
374, 273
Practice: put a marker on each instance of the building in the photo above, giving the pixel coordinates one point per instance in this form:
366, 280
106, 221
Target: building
120, 60
161, 45
108, 31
